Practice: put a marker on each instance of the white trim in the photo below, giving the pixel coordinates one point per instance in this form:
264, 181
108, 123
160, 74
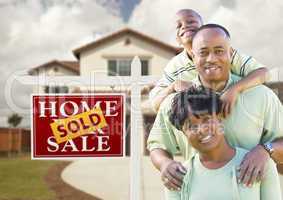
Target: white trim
83, 80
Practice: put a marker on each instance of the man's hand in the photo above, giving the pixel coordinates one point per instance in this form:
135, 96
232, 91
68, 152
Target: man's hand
252, 168
172, 174
180, 85
229, 98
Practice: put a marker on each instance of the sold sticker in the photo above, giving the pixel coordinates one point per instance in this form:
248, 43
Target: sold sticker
78, 125
66, 126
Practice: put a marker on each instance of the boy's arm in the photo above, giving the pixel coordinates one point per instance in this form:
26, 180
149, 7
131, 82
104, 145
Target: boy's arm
170, 81
158, 94
176, 86
254, 78
163, 87
242, 65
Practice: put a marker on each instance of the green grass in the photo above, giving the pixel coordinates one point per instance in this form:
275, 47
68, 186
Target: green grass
23, 178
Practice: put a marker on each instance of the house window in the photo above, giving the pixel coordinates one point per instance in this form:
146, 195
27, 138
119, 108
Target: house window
144, 67
122, 67
56, 89
119, 67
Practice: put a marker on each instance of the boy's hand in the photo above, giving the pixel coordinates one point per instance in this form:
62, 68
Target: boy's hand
180, 85
229, 98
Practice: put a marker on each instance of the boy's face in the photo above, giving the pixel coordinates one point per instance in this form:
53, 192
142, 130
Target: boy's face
212, 54
205, 132
186, 25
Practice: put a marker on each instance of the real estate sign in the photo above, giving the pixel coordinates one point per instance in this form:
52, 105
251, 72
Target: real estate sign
70, 126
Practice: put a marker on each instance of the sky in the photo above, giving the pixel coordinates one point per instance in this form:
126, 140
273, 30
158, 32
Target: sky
33, 32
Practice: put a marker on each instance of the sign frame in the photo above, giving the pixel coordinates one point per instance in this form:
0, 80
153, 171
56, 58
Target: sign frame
33, 157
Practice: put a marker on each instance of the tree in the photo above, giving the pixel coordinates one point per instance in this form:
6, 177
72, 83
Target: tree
14, 120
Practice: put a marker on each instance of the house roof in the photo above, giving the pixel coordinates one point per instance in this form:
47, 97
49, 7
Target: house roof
120, 33
71, 65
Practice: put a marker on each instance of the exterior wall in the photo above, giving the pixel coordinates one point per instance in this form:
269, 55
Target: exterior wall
96, 59
50, 71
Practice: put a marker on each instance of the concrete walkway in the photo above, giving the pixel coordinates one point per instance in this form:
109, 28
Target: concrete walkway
108, 178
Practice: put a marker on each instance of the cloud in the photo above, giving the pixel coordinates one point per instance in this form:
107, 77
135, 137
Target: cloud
256, 28
255, 25
33, 32
160, 13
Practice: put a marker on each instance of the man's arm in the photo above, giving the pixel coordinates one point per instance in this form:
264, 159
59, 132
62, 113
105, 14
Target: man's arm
172, 195
160, 157
273, 118
163, 142
172, 172
270, 185
253, 165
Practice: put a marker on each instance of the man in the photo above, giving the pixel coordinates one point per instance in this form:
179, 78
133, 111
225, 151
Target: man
255, 123
181, 68
197, 112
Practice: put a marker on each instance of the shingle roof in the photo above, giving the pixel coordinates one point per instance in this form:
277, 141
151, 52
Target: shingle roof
71, 65
122, 32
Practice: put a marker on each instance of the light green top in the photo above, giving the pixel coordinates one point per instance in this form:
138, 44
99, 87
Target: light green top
181, 67
257, 117
201, 183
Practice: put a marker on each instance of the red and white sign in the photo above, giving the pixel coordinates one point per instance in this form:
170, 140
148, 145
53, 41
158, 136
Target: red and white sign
69, 126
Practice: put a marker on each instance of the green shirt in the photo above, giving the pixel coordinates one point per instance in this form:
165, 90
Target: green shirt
201, 183
181, 67
256, 117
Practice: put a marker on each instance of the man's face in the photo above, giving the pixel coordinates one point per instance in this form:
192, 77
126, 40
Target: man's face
186, 25
212, 54
205, 133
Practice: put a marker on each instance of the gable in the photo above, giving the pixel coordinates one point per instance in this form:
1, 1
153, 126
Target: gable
56, 67
128, 33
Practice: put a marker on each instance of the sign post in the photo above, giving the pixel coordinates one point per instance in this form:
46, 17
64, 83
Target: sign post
136, 154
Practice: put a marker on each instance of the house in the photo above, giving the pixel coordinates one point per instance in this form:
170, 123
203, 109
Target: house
55, 68
111, 56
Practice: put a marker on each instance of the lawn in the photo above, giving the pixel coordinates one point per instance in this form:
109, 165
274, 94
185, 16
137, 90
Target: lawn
22, 178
